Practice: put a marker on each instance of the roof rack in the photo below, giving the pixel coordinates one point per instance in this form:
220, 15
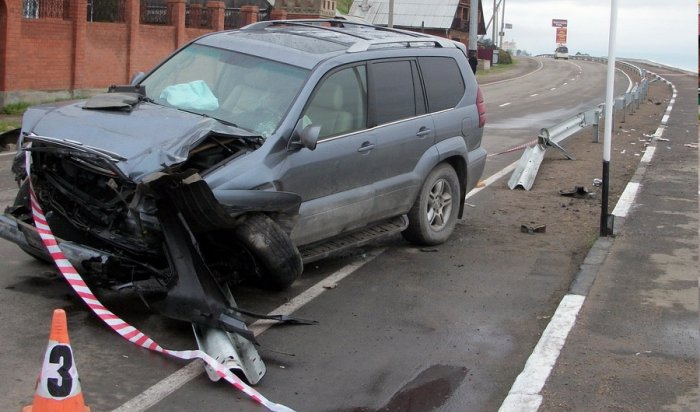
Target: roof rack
364, 43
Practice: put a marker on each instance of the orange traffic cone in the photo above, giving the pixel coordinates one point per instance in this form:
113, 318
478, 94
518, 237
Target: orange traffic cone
58, 386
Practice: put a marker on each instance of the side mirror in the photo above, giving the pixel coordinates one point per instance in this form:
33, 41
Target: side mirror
136, 78
305, 136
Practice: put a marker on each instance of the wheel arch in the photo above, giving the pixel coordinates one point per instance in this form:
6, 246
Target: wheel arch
460, 166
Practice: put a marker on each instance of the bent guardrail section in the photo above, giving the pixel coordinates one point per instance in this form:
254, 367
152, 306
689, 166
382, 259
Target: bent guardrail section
526, 170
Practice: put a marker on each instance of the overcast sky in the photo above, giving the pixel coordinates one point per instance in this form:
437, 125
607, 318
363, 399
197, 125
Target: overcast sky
661, 30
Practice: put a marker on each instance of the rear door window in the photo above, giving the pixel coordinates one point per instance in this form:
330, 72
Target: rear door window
444, 84
396, 91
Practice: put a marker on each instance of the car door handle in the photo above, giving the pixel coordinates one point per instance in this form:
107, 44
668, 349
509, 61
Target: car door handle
366, 147
424, 131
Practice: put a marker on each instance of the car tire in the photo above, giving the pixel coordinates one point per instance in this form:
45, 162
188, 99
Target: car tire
277, 259
433, 217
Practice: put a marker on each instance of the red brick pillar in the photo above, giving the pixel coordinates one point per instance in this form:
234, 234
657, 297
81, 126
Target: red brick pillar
133, 22
195, 16
249, 14
78, 13
10, 53
278, 14
216, 13
176, 14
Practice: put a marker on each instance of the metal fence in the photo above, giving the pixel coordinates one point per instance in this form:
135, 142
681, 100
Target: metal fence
113, 11
198, 17
154, 12
232, 17
36, 9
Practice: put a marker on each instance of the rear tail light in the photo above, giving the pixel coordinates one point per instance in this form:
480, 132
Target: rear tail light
481, 107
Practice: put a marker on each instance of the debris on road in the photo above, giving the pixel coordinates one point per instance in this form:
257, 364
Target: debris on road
533, 228
579, 192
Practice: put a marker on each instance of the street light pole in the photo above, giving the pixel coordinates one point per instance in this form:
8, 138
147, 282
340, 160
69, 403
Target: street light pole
391, 14
473, 32
605, 228
503, 24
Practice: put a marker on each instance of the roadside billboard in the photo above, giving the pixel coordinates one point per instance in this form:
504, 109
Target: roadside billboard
561, 35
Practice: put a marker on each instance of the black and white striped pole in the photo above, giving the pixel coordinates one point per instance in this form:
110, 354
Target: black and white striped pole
606, 221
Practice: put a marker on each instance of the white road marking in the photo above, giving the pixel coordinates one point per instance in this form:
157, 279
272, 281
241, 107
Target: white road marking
504, 104
553, 88
525, 395
535, 94
565, 83
626, 200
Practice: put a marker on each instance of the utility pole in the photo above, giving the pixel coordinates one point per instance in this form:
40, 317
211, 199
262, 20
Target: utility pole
605, 228
494, 19
473, 30
503, 23
391, 14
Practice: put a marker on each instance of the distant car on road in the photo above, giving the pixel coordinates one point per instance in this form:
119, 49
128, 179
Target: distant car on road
562, 52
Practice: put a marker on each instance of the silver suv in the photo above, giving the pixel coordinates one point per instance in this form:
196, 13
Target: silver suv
248, 152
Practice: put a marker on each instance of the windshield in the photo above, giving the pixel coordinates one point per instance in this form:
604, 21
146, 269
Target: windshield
248, 91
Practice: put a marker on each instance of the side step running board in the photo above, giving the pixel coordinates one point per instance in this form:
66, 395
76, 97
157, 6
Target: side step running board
321, 250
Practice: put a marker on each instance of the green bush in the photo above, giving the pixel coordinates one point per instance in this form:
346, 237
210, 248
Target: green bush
14, 108
504, 57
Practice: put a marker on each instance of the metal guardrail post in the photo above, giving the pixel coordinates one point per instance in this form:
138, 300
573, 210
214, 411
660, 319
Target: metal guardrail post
619, 107
592, 117
628, 102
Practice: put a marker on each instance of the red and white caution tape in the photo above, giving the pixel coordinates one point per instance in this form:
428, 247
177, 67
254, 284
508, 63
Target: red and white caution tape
125, 330
514, 149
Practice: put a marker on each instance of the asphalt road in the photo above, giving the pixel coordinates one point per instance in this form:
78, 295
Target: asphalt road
406, 329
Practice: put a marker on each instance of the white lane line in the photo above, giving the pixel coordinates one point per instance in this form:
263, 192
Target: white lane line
314, 291
534, 94
504, 104
626, 200
553, 88
565, 83
524, 395
12, 153
539, 67
162, 389
492, 179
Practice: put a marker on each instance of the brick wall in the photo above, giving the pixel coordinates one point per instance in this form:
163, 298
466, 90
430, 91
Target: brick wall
46, 58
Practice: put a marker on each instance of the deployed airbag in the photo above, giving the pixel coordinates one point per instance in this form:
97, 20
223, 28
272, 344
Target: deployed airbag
194, 95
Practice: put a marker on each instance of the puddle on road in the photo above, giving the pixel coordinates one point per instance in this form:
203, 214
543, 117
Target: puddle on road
429, 390
46, 284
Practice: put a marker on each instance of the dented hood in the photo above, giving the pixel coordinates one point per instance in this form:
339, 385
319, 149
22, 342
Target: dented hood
149, 137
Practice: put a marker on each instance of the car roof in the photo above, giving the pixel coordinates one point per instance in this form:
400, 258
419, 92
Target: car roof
305, 43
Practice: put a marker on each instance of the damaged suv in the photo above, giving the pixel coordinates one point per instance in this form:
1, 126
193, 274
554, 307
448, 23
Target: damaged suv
249, 152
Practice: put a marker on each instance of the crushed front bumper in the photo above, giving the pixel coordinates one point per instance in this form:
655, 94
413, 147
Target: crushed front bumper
26, 237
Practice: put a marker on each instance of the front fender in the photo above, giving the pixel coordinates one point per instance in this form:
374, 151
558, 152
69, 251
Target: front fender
241, 201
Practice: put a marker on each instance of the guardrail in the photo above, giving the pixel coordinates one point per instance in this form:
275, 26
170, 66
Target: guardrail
528, 165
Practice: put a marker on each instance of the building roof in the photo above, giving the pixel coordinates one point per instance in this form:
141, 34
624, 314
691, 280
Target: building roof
430, 14
408, 13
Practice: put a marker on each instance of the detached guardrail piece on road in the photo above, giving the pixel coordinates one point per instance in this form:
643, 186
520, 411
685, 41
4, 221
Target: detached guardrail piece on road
526, 170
